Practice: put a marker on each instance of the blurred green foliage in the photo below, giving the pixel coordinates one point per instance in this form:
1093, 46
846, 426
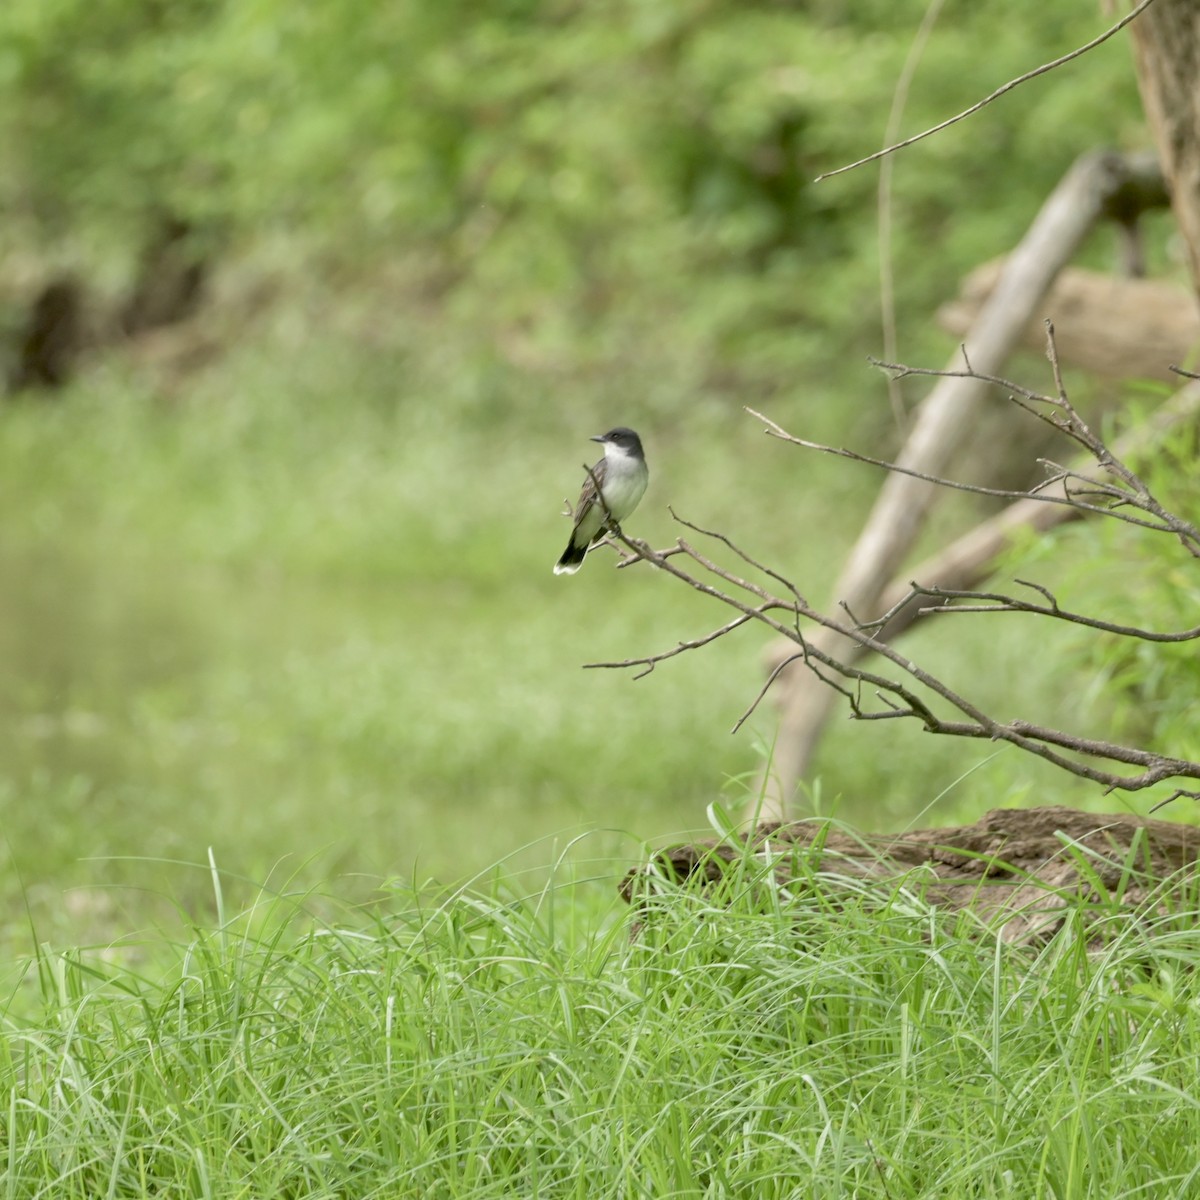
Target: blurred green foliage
622, 187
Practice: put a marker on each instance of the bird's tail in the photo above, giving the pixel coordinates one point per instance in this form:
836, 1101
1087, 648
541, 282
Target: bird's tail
572, 559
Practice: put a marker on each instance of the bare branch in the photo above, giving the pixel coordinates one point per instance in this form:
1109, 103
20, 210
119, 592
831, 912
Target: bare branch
1052, 355
654, 659
915, 693
791, 587
774, 430
1132, 492
1166, 523
766, 687
903, 370
1177, 794
991, 602
630, 558
1044, 69
1071, 752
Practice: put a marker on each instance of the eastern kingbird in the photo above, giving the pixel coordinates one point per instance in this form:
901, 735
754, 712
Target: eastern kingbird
622, 476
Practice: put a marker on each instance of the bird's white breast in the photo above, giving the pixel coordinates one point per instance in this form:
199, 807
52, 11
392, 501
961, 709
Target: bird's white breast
625, 480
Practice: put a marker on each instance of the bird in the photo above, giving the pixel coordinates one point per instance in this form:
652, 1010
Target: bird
622, 475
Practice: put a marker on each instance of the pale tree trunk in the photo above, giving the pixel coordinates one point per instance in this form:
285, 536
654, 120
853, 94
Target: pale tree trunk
1166, 53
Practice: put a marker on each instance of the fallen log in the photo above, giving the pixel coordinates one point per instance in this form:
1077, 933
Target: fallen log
1020, 870
1109, 326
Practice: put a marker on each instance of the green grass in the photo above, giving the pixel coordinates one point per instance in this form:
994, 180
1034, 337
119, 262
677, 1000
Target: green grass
826, 1041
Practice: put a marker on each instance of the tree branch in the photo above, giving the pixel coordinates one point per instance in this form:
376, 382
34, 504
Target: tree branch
1132, 492
915, 693
654, 659
1071, 752
985, 602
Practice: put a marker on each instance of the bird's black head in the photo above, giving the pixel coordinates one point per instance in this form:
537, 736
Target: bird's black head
625, 438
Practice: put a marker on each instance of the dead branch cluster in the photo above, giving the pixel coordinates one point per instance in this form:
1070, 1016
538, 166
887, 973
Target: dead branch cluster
895, 687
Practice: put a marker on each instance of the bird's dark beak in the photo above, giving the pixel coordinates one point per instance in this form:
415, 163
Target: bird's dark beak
598, 438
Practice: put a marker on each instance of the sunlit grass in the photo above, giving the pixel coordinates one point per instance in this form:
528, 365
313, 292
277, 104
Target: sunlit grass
501, 1041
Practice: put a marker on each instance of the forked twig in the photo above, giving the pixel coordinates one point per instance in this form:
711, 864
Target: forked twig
1128, 499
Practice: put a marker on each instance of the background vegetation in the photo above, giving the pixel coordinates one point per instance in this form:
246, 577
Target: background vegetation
282, 660
278, 582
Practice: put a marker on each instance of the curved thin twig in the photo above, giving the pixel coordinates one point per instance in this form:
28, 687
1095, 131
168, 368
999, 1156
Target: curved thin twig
1044, 69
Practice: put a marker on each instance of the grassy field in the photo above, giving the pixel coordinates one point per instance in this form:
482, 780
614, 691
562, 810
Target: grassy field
495, 1042
314, 825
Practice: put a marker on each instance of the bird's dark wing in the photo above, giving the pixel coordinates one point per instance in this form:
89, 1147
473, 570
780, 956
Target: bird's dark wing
587, 497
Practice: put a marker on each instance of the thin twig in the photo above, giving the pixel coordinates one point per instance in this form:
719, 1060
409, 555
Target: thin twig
1067, 422
787, 583
1038, 493
766, 687
1070, 752
1056, 370
887, 286
1044, 69
992, 602
654, 659
969, 372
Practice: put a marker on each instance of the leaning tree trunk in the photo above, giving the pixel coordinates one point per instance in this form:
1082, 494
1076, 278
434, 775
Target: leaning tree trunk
1096, 186
1166, 52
